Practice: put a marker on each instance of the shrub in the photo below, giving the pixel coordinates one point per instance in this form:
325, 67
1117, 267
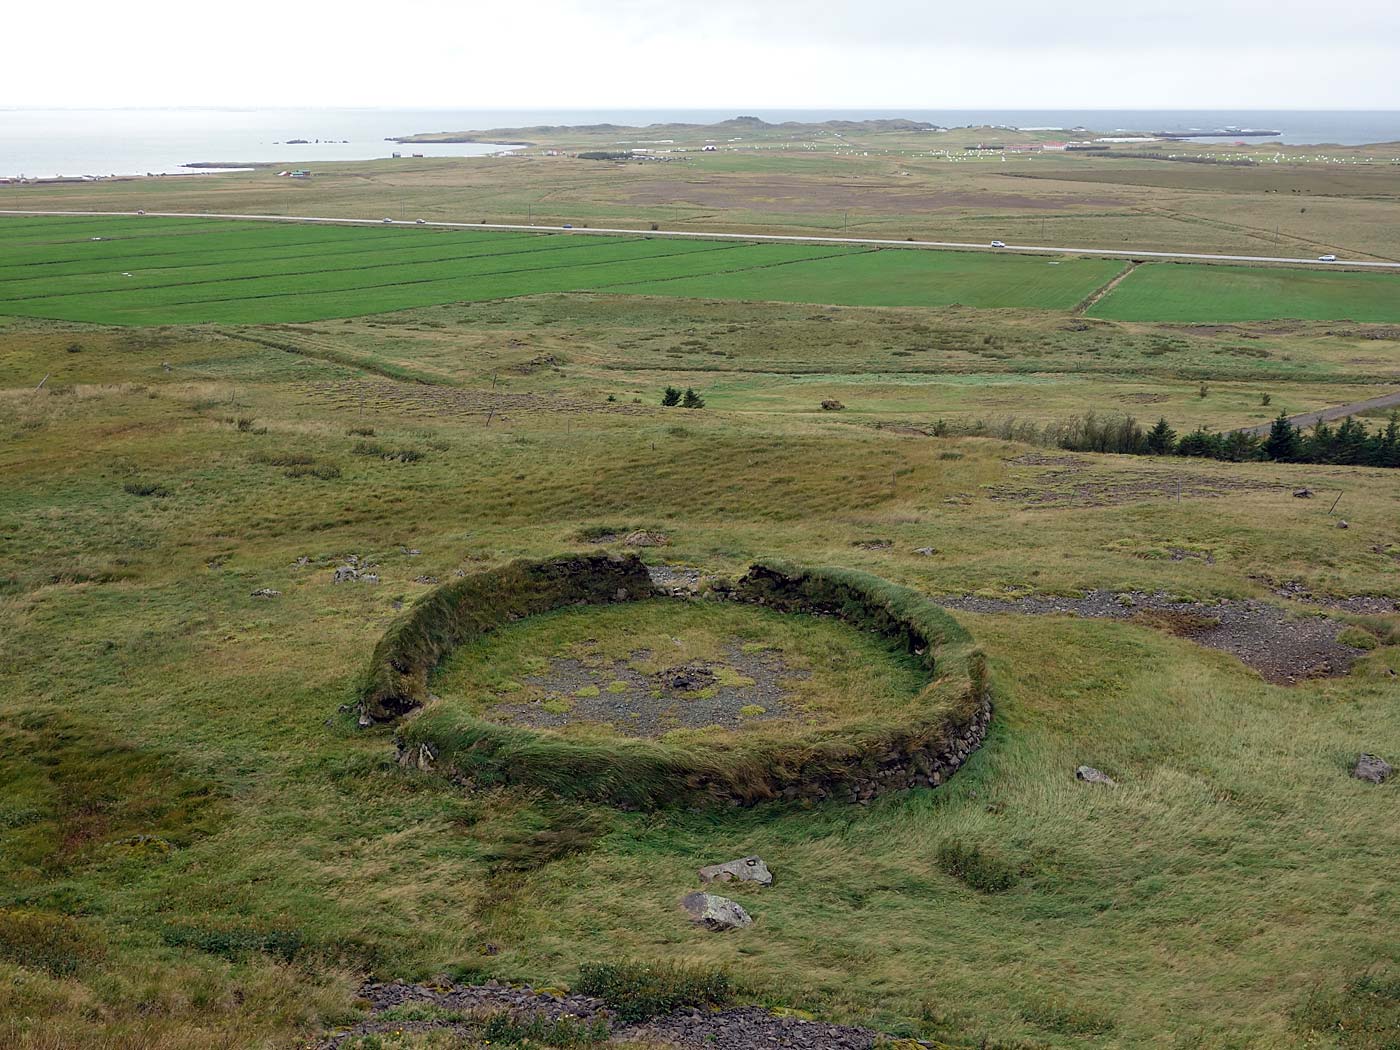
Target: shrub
638, 991
979, 870
324, 471
691, 399
145, 488
361, 432
401, 455
284, 459
1358, 638
47, 941
244, 423
235, 942
532, 1029
671, 397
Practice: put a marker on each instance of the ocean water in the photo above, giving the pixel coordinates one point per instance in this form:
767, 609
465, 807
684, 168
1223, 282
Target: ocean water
42, 143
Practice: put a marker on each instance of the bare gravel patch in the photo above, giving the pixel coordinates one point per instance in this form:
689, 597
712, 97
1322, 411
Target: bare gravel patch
1282, 648
748, 686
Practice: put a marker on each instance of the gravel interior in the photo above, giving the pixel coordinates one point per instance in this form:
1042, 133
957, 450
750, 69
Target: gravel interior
1282, 648
693, 695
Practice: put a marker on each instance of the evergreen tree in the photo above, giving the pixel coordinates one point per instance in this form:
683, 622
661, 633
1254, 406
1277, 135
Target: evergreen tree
1284, 444
692, 399
1199, 443
1161, 439
672, 396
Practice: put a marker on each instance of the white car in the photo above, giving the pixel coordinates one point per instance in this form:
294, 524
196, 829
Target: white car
420, 222
1327, 258
998, 244
388, 220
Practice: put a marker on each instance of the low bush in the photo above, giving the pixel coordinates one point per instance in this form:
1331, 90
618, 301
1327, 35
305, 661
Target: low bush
57, 944
145, 488
537, 1030
324, 471
976, 868
283, 459
367, 432
638, 991
400, 455
236, 942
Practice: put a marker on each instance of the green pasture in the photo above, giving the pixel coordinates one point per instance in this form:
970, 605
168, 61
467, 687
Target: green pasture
150, 271
1192, 293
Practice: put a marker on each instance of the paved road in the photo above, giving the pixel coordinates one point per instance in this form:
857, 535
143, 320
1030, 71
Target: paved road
1025, 249
1327, 415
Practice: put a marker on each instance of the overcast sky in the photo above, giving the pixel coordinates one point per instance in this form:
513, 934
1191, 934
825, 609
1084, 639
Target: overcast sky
499, 54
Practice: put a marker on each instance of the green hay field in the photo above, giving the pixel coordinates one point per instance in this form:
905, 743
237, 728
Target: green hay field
1203, 294
151, 271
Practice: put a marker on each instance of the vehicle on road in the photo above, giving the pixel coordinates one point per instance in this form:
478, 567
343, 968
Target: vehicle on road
568, 226
998, 244
420, 222
388, 220
1326, 258
140, 211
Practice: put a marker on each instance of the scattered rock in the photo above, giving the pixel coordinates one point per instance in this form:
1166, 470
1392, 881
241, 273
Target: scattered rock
643, 538
745, 869
367, 577
832, 405
715, 913
266, 592
425, 579
1371, 768
302, 562
345, 574
873, 545
927, 552
1303, 494
1343, 524
1090, 775
688, 678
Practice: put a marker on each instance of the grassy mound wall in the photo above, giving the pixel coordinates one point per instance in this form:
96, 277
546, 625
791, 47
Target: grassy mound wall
854, 761
446, 617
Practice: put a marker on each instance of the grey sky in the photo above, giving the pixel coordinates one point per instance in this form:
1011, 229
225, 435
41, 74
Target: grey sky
1178, 54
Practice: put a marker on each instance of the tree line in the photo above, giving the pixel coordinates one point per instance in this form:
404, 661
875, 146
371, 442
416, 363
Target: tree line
1350, 443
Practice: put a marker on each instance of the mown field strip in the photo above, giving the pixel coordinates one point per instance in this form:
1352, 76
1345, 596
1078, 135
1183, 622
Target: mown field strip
325, 304
374, 291
1185, 293
224, 237
300, 265
903, 278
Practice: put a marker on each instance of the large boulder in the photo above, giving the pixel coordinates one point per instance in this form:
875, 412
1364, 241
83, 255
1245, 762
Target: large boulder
1090, 775
745, 869
715, 913
1371, 768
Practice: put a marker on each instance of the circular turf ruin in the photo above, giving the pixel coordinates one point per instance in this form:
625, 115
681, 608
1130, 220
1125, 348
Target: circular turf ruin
873, 749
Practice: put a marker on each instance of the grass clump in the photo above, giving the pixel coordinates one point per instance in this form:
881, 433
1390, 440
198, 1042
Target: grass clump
536, 1029
397, 455
978, 869
1363, 1015
146, 488
235, 942
1067, 1018
637, 991
1358, 638
48, 941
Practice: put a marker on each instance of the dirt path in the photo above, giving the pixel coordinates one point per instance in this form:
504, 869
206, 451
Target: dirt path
1282, 648
1327, 415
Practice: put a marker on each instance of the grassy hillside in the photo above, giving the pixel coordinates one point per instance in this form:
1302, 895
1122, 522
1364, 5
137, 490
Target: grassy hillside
199, 848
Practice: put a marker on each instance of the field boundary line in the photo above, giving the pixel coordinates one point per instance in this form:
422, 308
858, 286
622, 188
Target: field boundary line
1090, 300
603, 231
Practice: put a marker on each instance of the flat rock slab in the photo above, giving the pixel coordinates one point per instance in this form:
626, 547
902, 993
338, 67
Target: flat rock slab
1090, 775
745, 869
1281, 647
1371, 768
715, 913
